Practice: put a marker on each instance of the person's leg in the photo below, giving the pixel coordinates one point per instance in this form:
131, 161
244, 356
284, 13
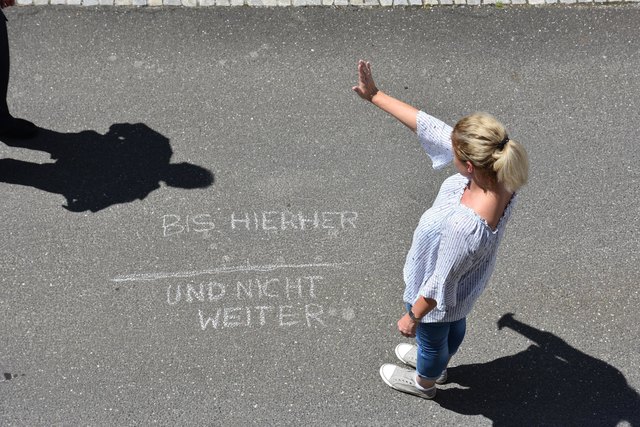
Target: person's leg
4, 66
457, 331
433, 352
9, 126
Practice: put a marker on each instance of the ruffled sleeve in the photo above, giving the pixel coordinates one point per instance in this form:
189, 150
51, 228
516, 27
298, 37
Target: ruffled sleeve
435, 138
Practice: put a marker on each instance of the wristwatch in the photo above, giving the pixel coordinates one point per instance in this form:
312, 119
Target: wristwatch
413, 316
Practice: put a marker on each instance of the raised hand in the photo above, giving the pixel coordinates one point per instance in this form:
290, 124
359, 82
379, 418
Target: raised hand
366, 87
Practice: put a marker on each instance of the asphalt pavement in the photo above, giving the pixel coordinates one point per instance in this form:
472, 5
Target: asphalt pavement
211, 227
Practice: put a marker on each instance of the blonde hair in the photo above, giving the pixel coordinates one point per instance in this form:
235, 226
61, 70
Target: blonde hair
482, 140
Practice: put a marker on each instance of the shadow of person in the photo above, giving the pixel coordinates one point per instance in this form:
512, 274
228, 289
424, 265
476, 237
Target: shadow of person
94, 171
548, 384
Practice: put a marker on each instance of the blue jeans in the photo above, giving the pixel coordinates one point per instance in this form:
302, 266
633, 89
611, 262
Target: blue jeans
437, 342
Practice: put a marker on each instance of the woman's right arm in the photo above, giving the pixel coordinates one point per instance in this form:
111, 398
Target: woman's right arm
368, 91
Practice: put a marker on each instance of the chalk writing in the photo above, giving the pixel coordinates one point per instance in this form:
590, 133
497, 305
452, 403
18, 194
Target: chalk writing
174, 224
266, 221
255, 302
224, 269
271, 221
253, 298
282, 315
255, 288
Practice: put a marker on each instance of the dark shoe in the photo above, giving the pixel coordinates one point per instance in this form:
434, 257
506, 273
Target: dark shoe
17, 128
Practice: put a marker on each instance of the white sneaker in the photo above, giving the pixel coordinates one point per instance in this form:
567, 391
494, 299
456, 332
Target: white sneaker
408, 354
403, 379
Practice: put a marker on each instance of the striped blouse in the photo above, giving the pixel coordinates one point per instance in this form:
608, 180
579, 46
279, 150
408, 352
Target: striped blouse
454, 250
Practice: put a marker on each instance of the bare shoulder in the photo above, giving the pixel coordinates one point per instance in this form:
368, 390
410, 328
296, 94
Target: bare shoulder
488, 205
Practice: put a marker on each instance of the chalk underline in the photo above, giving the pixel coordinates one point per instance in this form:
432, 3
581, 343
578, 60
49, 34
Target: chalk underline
139, 277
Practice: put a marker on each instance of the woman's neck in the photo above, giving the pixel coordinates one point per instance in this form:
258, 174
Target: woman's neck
489, 202
481, 184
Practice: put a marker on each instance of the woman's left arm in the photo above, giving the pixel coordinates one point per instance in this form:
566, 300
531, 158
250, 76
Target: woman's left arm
407, 325
440, 288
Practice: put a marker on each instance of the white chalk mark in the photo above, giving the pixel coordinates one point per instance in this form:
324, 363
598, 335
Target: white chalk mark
348, 314
139, 277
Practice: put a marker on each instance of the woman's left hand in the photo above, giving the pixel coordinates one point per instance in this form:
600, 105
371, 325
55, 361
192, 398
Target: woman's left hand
407, 326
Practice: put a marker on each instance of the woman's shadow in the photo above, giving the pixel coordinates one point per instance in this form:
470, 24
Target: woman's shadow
94, 171
548, 384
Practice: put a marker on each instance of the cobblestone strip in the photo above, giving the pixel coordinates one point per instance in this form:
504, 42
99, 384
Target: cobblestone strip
303, 3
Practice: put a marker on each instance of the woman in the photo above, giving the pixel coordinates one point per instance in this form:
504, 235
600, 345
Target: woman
454, 247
